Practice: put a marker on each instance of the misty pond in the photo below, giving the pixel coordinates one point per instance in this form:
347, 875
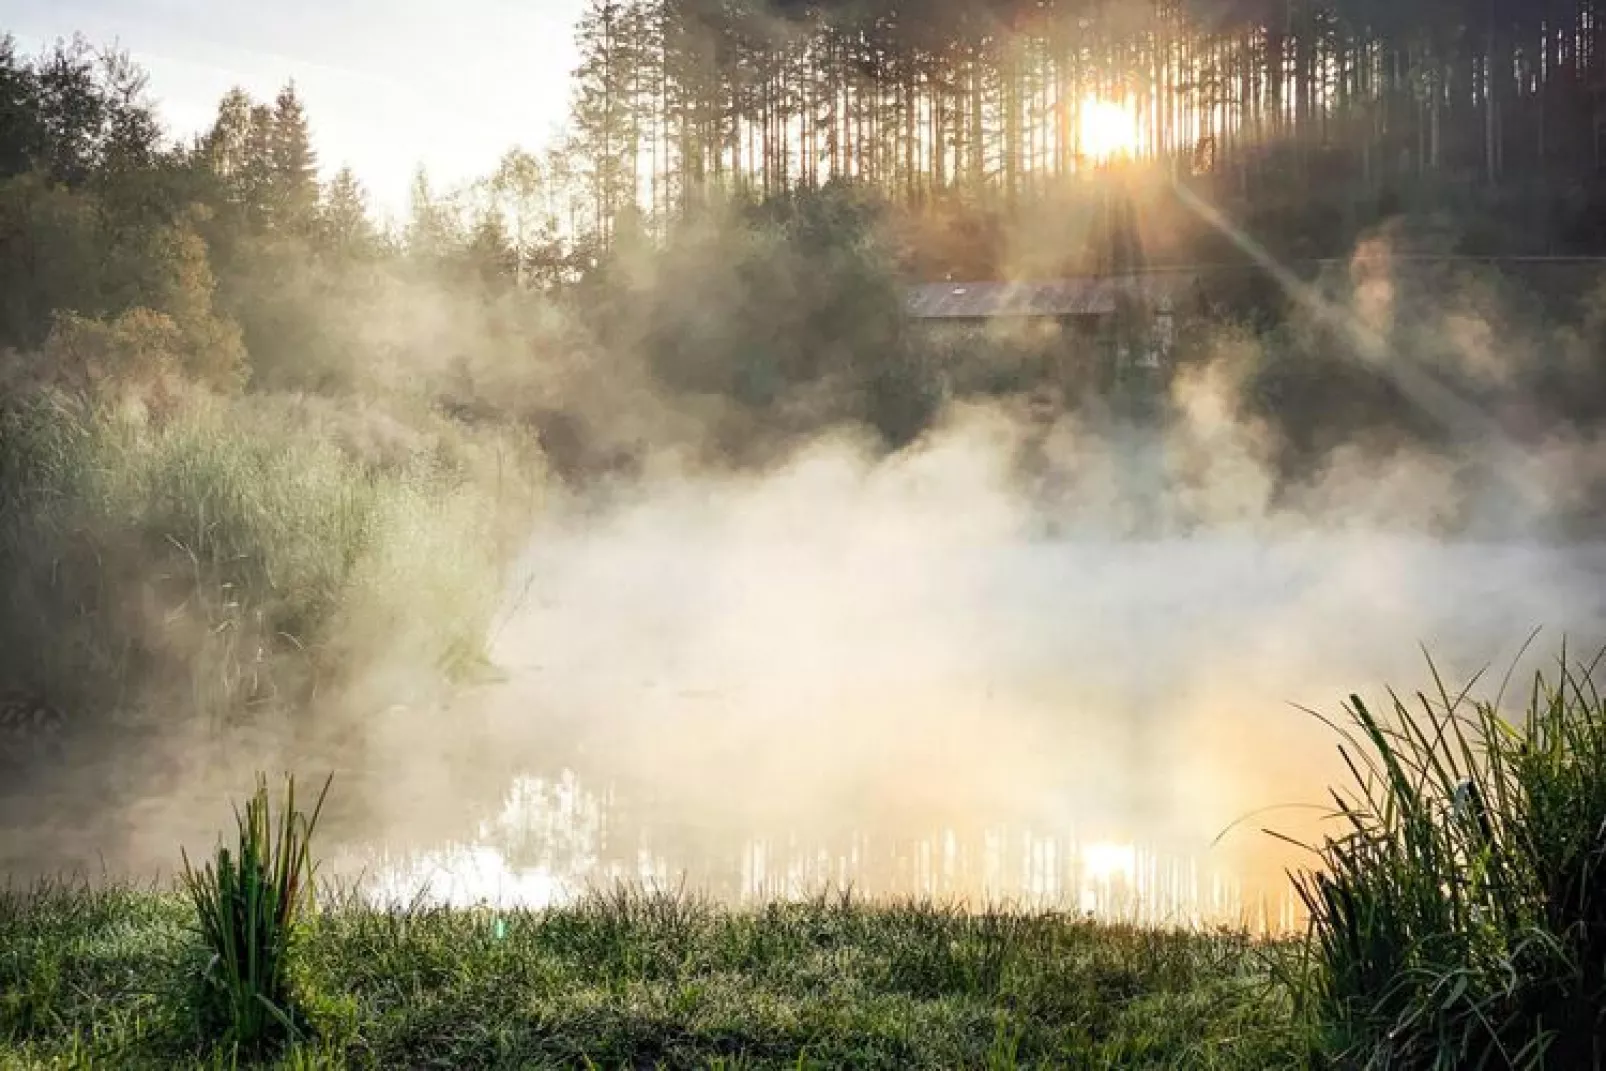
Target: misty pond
911, 709
818, 684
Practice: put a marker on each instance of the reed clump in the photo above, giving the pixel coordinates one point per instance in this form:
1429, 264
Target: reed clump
251, 906
1458, 918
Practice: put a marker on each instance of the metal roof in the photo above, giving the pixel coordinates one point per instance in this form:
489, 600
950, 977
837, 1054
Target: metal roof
1089, 296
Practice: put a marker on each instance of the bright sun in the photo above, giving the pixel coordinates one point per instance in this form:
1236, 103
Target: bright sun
1105, 861
1108, 129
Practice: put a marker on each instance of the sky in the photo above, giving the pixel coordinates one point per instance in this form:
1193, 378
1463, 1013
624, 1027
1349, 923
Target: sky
388, 84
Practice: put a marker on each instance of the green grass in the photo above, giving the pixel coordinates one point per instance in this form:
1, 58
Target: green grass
630, 979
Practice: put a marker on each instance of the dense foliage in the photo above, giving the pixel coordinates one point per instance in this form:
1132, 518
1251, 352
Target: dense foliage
220, 451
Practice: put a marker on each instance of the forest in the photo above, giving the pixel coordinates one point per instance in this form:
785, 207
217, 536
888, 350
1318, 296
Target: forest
1306, 120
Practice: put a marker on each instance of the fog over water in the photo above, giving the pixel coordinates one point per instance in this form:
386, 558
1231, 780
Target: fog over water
1008, 660
742, 682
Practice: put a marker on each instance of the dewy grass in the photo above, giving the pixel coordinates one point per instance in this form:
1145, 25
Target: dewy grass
1459, 916
250, 905
636, 979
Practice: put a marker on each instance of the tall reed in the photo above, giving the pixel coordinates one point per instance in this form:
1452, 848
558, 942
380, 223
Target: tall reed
241, 557
250, 905
1458, 918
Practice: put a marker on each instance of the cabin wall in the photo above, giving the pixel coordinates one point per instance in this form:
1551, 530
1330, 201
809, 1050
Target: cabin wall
1075, 356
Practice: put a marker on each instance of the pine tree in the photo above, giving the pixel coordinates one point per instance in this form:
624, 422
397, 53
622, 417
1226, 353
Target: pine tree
293, 165
430, 233
21, 129
344, 225
604, 109
227, 144
131, 133
254, 180
490, 254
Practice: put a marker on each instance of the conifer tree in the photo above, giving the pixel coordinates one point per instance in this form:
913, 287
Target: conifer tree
294, 165
603, 119
345, 228
255, 181
430, 231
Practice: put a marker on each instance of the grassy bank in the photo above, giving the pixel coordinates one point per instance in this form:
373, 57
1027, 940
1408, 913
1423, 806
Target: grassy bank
1455, 922
106, 978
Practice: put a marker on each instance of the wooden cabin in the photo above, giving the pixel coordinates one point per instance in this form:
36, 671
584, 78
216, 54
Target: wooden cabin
1084, 335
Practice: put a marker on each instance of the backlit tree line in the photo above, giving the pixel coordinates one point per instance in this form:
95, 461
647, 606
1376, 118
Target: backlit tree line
985, 100
130, 263
1278, 109
1288, 113
227, 257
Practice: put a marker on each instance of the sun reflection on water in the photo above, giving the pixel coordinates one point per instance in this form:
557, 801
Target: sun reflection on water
552, 841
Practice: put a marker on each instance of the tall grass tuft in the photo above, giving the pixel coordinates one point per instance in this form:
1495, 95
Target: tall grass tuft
1458, 919
250, 905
